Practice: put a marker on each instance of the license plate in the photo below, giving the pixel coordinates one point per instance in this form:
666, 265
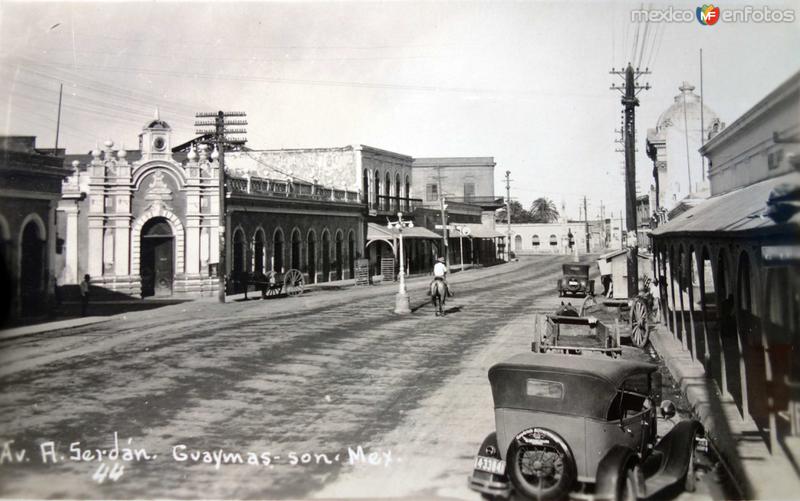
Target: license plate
490, 465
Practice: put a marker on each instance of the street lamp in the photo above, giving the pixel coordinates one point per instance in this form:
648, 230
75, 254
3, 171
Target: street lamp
401, 305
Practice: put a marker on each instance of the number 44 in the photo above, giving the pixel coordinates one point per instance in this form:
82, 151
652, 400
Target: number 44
113, 473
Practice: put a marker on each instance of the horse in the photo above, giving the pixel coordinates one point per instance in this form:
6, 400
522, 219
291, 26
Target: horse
438, 292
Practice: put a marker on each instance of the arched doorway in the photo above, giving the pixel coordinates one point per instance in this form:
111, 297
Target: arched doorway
239, 267
351, 255
157, 258
296, 241
339, 254
326, 256
258, 262
32, 271
518, 243
277, 251
311, 257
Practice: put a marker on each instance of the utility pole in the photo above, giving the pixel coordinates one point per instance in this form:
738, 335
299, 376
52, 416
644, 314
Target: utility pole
630, 89
586, 217
508, 215
58, 120
602, 224
221, 140
443, 207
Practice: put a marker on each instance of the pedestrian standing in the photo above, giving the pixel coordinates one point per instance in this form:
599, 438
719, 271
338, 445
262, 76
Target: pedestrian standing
85, 294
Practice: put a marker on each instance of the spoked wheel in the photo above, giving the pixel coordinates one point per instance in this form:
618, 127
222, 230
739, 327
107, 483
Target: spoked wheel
541, 465
293, 282
640, 332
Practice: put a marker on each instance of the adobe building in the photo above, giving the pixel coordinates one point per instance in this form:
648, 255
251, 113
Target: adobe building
30, 187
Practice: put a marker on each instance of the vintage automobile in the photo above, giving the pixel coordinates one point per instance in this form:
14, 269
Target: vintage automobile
578, 427
575, 280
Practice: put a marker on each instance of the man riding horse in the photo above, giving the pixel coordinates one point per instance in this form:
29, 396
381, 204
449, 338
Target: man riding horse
439, 289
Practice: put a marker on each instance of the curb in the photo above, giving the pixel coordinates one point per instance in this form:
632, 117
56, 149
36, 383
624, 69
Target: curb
752, 469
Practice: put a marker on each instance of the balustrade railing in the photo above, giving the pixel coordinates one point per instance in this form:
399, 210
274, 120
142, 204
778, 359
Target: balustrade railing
281, 188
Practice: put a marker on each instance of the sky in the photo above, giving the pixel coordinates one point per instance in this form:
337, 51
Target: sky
526, 82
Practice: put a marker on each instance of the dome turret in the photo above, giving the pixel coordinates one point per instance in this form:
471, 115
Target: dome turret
688, 100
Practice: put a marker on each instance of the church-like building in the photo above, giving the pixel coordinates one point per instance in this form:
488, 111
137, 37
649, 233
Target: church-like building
146, 222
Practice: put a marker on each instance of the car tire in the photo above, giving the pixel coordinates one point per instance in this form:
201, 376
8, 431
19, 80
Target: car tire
544, 471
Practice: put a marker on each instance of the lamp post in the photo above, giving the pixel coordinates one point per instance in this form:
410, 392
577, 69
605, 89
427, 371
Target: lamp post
401, 304
463, 231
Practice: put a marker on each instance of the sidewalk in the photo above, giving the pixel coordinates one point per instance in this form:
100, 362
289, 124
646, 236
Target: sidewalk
382, 288
757, 473
28, 330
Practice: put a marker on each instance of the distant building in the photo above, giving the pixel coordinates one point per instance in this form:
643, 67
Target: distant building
673, 144
30, 187
553, 238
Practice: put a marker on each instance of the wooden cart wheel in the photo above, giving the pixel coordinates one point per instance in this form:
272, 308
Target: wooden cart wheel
640, 332
293, 282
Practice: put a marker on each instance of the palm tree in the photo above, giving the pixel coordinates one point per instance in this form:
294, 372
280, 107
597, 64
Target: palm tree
544, 210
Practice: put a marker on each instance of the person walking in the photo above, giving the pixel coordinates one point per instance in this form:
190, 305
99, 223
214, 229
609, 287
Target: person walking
85, 294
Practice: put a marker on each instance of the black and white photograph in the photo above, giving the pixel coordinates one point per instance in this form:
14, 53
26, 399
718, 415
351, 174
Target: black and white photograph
400, 250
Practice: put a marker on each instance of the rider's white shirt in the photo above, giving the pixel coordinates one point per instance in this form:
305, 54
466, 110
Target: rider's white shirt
439, 270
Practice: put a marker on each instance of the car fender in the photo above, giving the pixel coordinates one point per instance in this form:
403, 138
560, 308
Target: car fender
485, 482
674, 451
612, 469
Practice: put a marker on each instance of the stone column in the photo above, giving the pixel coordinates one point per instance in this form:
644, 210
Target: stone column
71, 246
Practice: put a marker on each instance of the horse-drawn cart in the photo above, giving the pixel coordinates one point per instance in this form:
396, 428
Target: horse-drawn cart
637, 312
567, 332
291, 283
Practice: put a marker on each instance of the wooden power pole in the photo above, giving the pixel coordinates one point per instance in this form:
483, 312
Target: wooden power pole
630, 89
222, 140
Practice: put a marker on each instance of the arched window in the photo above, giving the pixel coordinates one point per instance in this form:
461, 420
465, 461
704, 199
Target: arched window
535, 240
365, 187
397, 191
377, 188
388, 193
408, 194
553, 240
518, 243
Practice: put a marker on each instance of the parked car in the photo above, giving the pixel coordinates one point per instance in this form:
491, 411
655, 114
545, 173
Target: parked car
572, 425
575, 280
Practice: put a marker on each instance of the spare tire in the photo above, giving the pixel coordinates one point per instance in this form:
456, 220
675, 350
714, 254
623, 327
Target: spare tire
541, 465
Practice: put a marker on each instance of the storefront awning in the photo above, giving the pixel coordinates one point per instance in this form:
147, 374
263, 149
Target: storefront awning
481, 231
378, 232
741, 211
